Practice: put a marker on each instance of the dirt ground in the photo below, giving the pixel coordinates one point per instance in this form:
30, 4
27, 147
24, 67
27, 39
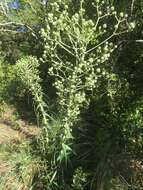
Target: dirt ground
12, 130
7, 134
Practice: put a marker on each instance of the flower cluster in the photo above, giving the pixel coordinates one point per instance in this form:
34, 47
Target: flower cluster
78, 48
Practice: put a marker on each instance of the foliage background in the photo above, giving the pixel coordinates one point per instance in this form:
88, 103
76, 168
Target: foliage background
92, 134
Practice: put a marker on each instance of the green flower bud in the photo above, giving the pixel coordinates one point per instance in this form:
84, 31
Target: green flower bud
121, 14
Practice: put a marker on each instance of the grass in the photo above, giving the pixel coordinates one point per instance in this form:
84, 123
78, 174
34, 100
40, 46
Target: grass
18, 167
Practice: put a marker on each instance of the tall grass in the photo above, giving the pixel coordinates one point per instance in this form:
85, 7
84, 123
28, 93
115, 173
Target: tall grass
18, 167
